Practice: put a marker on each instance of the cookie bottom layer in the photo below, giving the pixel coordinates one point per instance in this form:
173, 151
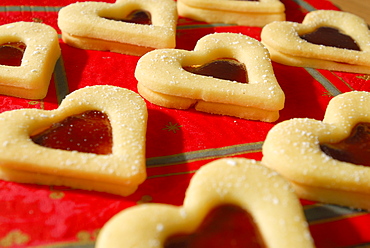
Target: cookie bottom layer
104, 45
27, 93
78, 183
239, 18
176, 102
292, 60
332, 196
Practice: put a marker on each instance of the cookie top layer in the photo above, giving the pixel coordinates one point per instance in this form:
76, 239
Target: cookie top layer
284, 37
162, 71
127, 115
94, 20
241, 182
32, 78
293, 149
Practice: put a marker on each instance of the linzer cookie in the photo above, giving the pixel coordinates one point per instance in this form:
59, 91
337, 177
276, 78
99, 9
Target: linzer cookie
228, 74
28, 54
131, 27
230, 202
326, 39
326, 161
95, 140
249, 13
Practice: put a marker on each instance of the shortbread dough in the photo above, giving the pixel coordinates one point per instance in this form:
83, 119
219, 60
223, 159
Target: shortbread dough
293, 149
163, 81
260, 191
286, 47
120, 172
31, 79
248, 13
96, 26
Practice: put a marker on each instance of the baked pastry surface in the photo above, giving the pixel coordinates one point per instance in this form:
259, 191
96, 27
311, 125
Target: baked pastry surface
246, 183
32, 77
248, 13
284, 41
102, 26
163, 80
118, 172
294, 148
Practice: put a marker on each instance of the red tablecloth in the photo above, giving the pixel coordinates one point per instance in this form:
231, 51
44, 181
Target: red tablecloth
178, 142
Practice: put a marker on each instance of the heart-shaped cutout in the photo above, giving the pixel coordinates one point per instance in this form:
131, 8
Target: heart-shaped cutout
224, 226
97, 26
29, 52
354, 149
249, 12
11, 53
232, 185
89, 131
227, 69
288, 44
328, 36
118, 172
136, 16
298, 149
163, 80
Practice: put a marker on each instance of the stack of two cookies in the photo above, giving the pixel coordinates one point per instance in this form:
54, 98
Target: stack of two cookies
247, 13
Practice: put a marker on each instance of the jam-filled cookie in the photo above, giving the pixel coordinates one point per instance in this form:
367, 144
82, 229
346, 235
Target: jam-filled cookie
131, 27
95, 140
28, 54
326, 39
228, 74
249, 13
230, 202
326, 161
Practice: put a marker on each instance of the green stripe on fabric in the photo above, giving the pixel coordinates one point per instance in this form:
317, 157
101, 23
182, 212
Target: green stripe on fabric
204, 154
325, 213
68, 245
30, 8
304, 5
324, 81
172, 174
207, 25
60, 79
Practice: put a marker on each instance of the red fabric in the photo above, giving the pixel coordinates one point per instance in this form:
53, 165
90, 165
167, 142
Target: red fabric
178, 141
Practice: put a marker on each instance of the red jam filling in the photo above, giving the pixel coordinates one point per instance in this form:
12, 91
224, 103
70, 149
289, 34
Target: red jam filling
354, 149
11, 53
223, 68
328, 36
137, 17
225, 226
89, 132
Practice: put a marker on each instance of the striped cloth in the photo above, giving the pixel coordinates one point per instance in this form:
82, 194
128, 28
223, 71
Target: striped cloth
178, 141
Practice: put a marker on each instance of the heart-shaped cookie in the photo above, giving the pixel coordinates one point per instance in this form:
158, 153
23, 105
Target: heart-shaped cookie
308, 152
163, 80
231, 182
249, 13
288, 44
105, 26
31, 78
119, 171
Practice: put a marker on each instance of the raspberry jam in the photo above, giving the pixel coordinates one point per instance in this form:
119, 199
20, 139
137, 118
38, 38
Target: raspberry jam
223, 68
225, 226
328, 36
136, 16
89, 132
354, 149
11, 53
